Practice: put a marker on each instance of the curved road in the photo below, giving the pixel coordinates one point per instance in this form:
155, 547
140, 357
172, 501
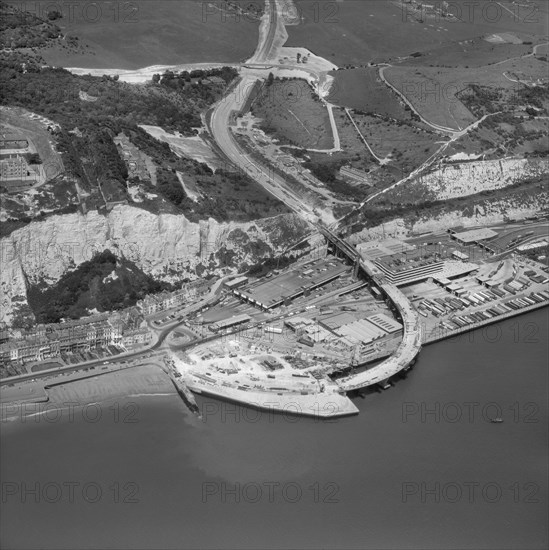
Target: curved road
411, 342
220, 127
408, 102
221, 131
222, 116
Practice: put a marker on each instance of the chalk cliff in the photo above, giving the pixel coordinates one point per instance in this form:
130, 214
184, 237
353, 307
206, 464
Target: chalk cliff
166, 246
457, 180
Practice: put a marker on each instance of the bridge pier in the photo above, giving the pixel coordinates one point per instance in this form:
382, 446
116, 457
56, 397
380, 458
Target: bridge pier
384, 384
356, 267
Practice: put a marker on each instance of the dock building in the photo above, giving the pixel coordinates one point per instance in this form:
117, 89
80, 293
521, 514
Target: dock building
284, 288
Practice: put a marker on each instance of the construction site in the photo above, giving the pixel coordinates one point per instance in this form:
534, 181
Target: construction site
335, 324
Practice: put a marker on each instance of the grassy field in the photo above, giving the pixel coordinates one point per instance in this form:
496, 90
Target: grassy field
44, 366
504, 135
140, 33
292, 114
434, 91
469, 53
355, 153
363, 90
357, 31
407, 145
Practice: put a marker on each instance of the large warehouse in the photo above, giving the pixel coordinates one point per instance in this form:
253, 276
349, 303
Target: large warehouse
474, 236
236, 283
293, 283
362, 331
388, 324
403, 264
230, 322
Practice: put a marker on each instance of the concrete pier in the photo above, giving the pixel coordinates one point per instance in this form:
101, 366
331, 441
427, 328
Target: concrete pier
185, 393
315, 405
406, 352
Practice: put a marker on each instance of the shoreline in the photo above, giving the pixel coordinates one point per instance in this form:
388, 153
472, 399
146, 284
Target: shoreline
146, 73
146, 379
140, 380
331, 406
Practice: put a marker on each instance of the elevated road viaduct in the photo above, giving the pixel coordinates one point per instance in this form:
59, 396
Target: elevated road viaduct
411, 343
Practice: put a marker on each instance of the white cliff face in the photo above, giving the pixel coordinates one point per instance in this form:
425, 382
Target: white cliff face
457, 180
166, 246
460, 180
487, 213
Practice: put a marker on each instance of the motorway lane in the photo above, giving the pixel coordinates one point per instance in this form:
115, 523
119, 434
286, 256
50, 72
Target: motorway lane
234, 102
268, 179
264, 50
220, 126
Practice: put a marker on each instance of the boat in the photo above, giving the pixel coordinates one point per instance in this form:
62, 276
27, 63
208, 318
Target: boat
496, 420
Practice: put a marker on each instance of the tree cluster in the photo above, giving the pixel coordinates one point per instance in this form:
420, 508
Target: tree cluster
85, 288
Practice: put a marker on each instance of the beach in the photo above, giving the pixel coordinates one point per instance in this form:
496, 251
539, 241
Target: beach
357, 482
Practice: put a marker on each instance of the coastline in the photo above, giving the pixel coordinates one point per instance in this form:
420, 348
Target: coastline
151, 379
147, 379
171, 454
317, 405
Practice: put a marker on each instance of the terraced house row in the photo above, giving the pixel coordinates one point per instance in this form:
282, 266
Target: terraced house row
121, 329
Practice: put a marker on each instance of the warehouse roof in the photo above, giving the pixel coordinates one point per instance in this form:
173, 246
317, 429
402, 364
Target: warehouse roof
333, 322
236, 320
384, 322
292, 283
475, 235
